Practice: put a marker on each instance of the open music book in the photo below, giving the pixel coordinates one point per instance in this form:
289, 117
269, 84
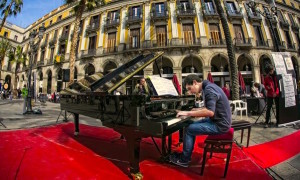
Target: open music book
161, 86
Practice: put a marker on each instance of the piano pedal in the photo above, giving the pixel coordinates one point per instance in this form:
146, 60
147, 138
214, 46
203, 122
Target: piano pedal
137, 176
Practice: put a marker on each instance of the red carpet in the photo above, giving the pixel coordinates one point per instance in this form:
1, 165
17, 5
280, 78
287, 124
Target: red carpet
98, 153
273, 152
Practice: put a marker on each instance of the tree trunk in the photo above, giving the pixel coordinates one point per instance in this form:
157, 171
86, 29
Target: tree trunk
74, 40
230, 51
5, 16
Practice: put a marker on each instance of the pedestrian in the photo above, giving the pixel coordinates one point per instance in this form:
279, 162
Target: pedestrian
24, 95
141, 88
261, 89
216, 116
271, 85
10, 95
54, 97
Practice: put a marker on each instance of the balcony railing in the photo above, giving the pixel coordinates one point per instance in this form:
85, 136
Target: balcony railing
63, 38
291, 46
171, 43
284, 24
234, 14
94, 27
49, 61
246, 42
295, 27
282, 45
186, 13
217, 42
88, 53
262, 43
40, 63
112, 23
156, 16
210, 14
110, 50
52, 42
254, 17
134, 19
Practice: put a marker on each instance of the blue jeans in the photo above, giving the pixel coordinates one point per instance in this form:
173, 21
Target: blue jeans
202, 127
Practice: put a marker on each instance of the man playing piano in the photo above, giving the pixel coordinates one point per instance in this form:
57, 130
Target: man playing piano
214, 117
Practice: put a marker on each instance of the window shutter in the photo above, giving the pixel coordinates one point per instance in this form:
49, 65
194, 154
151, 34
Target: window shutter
130, 11
166, 6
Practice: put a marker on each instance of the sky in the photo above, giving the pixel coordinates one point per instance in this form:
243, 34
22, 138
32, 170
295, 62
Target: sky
33, 10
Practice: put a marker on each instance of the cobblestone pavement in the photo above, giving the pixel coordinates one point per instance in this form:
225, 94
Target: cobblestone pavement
11, 116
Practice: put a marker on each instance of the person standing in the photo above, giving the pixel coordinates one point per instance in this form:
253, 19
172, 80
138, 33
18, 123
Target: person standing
226, 90
141, 88
214, 117
271, 85
24, 95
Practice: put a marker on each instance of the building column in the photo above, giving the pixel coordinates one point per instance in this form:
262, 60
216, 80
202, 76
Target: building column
44, 90
122, 29
267, 30
147, 21
84, 39
101, 34
203, 36
206, 70
256, 73
174, 20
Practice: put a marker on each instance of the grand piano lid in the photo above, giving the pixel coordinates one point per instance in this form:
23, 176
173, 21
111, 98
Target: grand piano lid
120, 75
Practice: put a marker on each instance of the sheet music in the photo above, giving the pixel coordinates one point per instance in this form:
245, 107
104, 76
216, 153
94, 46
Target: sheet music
279, 63
289, 63
163, 86
289, 90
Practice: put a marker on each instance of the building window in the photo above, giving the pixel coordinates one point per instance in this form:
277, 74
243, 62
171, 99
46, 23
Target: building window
111, 42
50, 22
16, 38
24, 37
42, 56
209, 6
231, 8
5, 34
113, 16
62, 49
188, 34
136, 11
293, 5
215, 34
259, 35
292, 19
288, 39
280, 16
239, 35
59, 18
94, 20
159, 9
134, 38
51, 54
161, 36
184, 5
92, 42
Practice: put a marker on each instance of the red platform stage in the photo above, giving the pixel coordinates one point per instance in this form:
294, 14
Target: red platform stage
55, 153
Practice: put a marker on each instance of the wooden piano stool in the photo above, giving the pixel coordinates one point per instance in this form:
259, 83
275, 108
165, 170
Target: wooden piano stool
218, 144
241, 125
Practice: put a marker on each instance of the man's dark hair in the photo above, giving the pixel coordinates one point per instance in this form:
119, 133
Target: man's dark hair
268, 68
256, 84
190, 78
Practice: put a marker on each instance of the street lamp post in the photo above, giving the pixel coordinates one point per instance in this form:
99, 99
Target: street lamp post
268, 15
33, 47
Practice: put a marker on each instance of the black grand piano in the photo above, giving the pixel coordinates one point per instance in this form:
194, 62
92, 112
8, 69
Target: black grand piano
133, 116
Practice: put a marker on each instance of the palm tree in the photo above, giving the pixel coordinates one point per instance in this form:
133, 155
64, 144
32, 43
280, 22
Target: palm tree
5, 49
13, 8
79, 7
230, 51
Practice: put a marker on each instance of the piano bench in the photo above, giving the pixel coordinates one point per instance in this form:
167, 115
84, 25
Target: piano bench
241, 125
219, 144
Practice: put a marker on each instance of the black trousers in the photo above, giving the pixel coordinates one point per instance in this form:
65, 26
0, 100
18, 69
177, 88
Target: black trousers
270, 101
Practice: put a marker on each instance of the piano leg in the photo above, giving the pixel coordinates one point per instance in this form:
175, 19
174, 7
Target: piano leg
76, 122
133, 144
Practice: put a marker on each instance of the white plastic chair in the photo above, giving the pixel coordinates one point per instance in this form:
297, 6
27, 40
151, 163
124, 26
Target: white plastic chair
240, 106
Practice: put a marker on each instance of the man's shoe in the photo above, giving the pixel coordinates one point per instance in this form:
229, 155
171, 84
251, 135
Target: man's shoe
178, 160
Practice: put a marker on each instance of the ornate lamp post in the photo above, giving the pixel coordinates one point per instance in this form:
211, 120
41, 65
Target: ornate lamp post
268, 15
33, 47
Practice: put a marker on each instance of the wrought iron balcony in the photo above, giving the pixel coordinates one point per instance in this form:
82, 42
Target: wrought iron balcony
110, 50
291, 46
134, 19
282, 45
284, 24
262, 43
217, 42
295, 27
171, 43
63, 38
242, 43
88, 53
132, 46
234, 14
52, 42
254, 16
92, 28
49, 61
112, 23
186, 13
210, 14
157, 16
40, 63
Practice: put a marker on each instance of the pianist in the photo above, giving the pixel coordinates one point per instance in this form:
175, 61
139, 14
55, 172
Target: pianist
214, 117
141, 88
